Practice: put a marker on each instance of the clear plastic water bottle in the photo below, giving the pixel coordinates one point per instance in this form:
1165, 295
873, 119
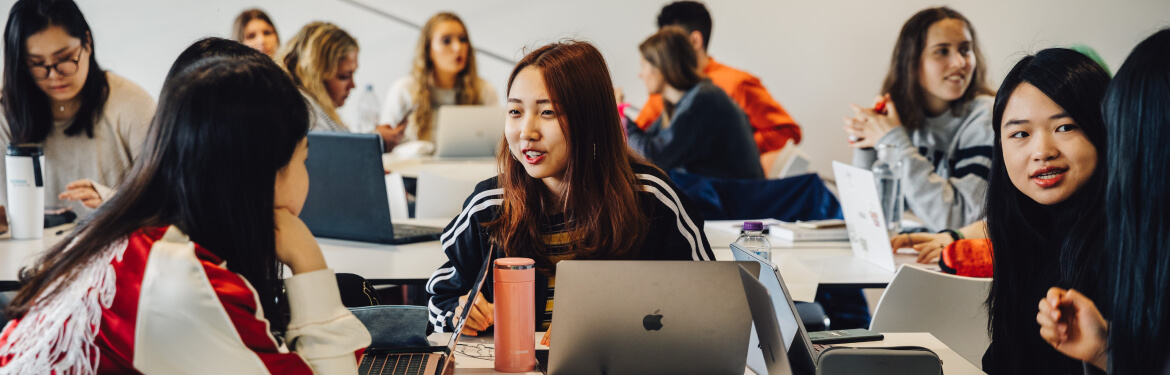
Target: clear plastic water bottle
887, 170
752, 239
367, 111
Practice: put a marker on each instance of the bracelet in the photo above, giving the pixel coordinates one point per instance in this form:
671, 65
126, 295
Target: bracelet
955, 235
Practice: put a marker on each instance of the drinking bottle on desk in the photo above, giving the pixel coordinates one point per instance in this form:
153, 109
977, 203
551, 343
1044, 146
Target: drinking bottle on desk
25, 166
887, 170
752, 239
515, 309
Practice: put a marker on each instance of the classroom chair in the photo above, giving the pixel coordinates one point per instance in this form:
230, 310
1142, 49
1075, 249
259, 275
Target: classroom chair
947, 306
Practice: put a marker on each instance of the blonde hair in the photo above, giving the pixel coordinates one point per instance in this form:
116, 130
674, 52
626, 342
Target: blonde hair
467, 87
314, 55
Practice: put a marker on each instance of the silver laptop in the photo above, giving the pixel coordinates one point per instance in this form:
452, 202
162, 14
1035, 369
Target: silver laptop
468, 131
773, 358
649, 317
802, 354
864, 220
426, 360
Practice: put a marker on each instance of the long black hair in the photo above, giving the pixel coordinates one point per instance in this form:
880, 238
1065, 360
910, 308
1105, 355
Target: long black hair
212, 47
223, 129
1137, 115
1021, 229
26, 106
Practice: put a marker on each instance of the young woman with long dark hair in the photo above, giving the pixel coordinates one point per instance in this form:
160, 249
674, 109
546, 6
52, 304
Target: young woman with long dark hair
181, 269
1136, 339
90, 122
938, 115
568, 188
1044, 201
254, 29
701, 130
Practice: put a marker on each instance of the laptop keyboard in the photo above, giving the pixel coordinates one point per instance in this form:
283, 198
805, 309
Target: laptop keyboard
396, 364
407, 231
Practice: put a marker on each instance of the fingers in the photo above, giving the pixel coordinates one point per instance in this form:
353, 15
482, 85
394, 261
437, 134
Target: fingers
547, 336
79, 184
467, 331
891, 110
929, 254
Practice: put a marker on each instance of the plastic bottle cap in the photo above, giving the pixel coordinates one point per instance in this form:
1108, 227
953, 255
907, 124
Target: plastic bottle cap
753, 225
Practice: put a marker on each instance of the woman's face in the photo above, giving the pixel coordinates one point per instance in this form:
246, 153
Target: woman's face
55, 46
292, 182
533, 130
449, 47
948, 60
261, 36
1047, 155
651, 77
339, 85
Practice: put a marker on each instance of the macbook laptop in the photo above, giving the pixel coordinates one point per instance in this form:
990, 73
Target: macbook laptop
649, 317
468, 131
864, 220
427, 360
773, 358
347, 192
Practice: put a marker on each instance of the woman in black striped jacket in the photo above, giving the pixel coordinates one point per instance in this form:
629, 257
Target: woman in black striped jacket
569, 188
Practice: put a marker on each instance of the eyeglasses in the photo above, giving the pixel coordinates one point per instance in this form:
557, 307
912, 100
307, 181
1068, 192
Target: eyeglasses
65, 68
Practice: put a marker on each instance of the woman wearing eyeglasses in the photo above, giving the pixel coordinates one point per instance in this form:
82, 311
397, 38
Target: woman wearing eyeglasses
91, 123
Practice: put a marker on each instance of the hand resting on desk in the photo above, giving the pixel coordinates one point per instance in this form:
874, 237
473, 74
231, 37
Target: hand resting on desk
481, 316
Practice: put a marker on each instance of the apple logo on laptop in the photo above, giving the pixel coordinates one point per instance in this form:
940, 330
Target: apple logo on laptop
652, 322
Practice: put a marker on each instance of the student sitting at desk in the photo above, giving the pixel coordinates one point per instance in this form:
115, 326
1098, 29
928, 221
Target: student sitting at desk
322, 59
90, 122
701, 130
254, 29
180, 271
443, 73
938, 115
771, 126
568, 189
1136, 338
1044, 201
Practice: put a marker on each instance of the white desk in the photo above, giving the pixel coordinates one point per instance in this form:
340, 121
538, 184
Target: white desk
414, 263
952, 362
410, 167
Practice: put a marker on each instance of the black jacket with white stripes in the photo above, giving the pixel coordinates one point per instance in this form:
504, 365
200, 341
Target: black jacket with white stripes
675, 233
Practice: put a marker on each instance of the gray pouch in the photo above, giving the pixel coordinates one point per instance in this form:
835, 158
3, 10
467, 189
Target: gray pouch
901, 360
394, 326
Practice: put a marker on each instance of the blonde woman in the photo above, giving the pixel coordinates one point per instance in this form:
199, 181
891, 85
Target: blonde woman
322, 59
443, 74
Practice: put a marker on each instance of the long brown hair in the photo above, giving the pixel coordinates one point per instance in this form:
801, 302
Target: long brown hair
246, 17
671, 52
466, 82
314, 55
902, 79
600, 198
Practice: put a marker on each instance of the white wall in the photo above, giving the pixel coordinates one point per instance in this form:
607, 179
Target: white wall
815, 57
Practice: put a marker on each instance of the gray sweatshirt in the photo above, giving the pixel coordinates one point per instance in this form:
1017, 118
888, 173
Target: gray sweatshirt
117, 140
945, 164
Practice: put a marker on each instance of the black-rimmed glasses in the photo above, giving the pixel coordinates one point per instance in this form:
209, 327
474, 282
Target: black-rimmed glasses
65, 68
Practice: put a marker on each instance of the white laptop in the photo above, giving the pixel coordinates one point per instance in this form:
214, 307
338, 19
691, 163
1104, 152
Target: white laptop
861, 206
468, 131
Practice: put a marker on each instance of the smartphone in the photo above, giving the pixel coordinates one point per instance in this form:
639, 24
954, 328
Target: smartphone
844, 336
409, 111
821, 224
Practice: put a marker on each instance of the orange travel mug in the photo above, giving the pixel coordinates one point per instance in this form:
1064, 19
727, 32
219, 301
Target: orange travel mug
515, 309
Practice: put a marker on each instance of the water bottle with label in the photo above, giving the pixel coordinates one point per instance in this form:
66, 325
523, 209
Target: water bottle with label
887, 171
368, 111
752, 239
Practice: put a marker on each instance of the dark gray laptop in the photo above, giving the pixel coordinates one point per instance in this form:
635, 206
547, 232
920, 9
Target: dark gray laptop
802, 353
347, 192
649, 317
767, 328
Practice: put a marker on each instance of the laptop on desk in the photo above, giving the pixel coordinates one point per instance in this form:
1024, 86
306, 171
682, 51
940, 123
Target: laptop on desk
427, 360
771, 306
468, 131
649, 317
347, 192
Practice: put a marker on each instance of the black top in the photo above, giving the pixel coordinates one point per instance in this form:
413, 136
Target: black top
708, 135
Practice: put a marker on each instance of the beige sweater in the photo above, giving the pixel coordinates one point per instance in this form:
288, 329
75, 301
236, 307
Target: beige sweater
117, 140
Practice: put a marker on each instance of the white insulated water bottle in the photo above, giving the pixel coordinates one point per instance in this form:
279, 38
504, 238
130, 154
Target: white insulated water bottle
26, 191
